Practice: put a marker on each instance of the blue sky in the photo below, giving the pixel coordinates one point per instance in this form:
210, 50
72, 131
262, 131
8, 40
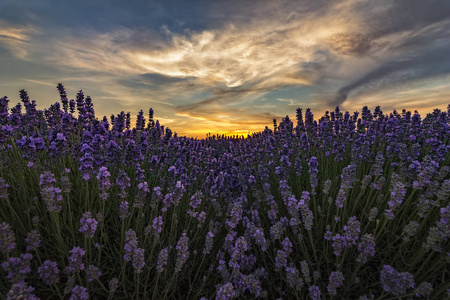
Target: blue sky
228, 66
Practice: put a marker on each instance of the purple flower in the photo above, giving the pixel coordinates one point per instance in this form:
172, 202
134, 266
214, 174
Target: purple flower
50, 194
88, 225
287, 245
314, 292
35, 220
278, 228
256, 233
92, 273
340, 198
86, 161
235, 215
123, 182
33, 240
379, 185
350, 236
7, 238
208, 243
365, 182
157, 225
398, 192
201, 217
442, 194
182, 252
196, 199
66, 184
316, 275
20, 290
17, 268
143, 190
348, 176
3, 189
157, 197
123, 210
339, 243
4, 110
76, 260
440, 232
326, 187
79, 293
307, 214
366, 247
162, 259
336, 280
305, 271
131, 244
113, 284
293, 278
48, 272
372, 215
352, 230
424, 206
103, 183
410, 230
424, 289
138, 260
395, 282
225, 292
281, 259
377, 168
313, 171
132, 252
144, 187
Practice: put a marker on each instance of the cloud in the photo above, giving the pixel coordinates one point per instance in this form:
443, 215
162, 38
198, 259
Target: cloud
279, 54
421, 63
355, 44
37, 81
15, 38
229, 66
214, 63
291, 102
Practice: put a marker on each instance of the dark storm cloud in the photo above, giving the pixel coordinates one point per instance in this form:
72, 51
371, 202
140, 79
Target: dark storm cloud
355, 44
403, 15
429, 64
412, 36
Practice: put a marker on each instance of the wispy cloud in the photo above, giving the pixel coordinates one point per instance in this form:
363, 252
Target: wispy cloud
37, 81
291, 102
16, 38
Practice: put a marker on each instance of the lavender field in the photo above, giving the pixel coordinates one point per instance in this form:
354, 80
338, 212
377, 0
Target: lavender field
349, 206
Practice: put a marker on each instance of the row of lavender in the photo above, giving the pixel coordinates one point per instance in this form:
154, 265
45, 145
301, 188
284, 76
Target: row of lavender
347, 206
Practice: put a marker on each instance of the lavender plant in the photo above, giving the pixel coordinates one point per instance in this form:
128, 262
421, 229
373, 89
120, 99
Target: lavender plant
347, 206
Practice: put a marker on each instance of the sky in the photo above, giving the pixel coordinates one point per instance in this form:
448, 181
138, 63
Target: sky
228, 67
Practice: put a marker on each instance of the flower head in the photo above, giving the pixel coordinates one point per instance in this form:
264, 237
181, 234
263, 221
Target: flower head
48, 272
88, 225
7, 238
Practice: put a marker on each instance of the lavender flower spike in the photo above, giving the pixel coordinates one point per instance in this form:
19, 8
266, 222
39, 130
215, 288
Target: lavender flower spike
79, 293
48, 272
395, 282
76, 260
182, 252
7, 238
314, 292
336, 280
88, 225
